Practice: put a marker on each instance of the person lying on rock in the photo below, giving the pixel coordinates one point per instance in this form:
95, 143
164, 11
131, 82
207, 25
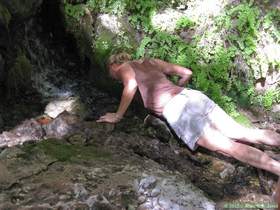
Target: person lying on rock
195, 118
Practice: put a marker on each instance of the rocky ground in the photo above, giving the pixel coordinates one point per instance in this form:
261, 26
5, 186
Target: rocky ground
68, 161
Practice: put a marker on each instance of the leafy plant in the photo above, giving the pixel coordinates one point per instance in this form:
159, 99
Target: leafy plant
74, 11
245, 19
141, 12
270, 97
184, 23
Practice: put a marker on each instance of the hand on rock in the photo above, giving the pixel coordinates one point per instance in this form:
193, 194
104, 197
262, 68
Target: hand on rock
110, 118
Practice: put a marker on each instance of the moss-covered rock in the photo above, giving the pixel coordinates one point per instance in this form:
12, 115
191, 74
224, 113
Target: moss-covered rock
81, 27
62, 151
112, 33
99, 33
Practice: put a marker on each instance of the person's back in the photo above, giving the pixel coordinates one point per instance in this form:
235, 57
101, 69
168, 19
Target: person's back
156, 90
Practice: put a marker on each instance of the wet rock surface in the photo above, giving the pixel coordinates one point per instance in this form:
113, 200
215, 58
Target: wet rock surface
54, 174
29, 130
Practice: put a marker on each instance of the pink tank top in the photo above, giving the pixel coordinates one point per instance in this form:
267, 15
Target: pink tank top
155, 89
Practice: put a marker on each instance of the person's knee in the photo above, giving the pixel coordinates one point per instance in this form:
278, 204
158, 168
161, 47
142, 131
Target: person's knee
205, 144
217, 142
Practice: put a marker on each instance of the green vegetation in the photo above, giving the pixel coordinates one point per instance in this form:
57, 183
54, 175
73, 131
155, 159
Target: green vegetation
247, 23
103, 46
268, 99
236, 32
184, 23
75, 11
142, 11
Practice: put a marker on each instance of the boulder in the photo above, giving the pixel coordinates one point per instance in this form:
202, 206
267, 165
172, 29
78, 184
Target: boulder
28, 130
97, 36
113, 30
64, 125
121, 180
169, 192
72, 105
14, 165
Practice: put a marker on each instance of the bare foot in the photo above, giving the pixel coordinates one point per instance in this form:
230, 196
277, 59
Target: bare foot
272, 154
272, 137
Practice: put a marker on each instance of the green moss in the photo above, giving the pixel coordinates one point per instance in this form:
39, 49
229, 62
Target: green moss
5, 16
19, 75
102, 47
66, 152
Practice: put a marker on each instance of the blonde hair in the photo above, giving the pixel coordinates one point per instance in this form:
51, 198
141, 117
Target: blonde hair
118, 58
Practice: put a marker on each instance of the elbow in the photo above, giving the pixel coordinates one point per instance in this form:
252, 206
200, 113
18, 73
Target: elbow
189, 74
131, 85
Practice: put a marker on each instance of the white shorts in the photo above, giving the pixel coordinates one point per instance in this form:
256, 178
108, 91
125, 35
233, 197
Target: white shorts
187, 113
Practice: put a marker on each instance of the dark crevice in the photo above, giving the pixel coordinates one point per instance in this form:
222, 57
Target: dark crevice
53, 24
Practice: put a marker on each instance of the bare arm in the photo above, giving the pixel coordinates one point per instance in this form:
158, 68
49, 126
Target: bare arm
127, 76
130, 87
173, 69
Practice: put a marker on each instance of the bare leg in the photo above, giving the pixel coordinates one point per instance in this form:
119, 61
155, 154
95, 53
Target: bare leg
216, 141
230, 128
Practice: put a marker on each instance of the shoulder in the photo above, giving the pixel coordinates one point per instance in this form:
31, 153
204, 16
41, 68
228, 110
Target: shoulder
126, 71
126, 66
